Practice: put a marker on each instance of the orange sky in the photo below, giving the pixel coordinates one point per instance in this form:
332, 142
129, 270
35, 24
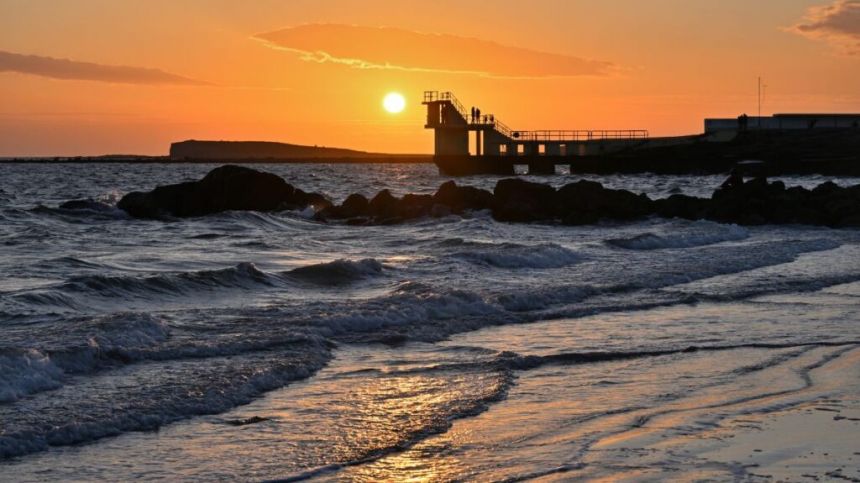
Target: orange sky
82, 77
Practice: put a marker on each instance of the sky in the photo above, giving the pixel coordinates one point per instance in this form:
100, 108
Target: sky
89, 77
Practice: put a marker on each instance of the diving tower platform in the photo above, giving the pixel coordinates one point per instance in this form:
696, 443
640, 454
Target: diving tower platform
498, 148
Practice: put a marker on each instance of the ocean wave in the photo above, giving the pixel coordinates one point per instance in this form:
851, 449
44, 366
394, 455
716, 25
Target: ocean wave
537, 299
69, 295
337, 272
414, 311
24, 372
243, 275
507, 360
103, 342
89, 208
707, 233
160, 396
511, 255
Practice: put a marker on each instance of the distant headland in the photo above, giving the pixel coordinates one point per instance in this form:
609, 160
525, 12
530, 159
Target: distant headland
239, 152
256, 151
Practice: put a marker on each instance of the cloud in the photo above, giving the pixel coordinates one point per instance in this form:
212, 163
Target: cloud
74, 70
837, 23
400, 49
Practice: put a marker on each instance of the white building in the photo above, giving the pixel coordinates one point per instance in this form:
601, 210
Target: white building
785, 121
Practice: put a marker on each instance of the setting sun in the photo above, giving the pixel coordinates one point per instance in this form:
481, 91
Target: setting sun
394, 102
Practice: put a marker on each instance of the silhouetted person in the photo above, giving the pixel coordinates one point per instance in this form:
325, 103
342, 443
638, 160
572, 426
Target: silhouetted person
492, 120
473, 114
477, 113
743, 121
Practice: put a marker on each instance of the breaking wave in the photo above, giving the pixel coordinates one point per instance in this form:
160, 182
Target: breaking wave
706, 233
511, 255
103, 342
337, 272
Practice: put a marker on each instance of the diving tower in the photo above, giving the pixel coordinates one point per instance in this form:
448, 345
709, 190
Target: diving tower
499, 148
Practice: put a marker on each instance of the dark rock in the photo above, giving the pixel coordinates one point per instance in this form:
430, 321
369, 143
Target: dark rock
759, 202
751, 203
518, 200
383, 205
681, 206
462, 198
318, 201
588, 201
440, 211
224, 188
354, 205
414, 206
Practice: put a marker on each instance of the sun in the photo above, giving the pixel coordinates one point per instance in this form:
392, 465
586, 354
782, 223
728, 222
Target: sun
394, 102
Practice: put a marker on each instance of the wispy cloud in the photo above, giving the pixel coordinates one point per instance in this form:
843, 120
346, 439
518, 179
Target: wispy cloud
400, 49
75, 70
837, 23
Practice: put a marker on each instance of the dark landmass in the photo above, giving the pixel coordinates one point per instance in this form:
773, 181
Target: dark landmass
193, 149
753, 202
834, 152
251, 151
238, 152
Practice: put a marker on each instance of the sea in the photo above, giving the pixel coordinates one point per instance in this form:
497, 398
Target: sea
249, 346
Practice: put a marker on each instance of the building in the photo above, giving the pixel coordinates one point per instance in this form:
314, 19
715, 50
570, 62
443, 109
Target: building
784, 122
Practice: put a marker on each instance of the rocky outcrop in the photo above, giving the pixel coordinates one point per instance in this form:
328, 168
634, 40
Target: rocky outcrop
458, 199
518, 200
225, 188
514, 200
758, 202
587, 202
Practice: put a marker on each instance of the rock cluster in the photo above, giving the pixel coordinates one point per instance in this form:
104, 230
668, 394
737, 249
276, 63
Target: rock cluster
513, 200
222, 189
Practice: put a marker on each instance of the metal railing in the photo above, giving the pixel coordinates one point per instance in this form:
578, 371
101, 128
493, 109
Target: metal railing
579, 135
536, 136
435, 96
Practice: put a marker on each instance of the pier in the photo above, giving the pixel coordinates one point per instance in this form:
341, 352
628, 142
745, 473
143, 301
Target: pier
781, 144
498, 149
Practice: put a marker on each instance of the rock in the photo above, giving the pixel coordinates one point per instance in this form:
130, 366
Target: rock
759, 202
383, 205
518, 200
318, 201
463, 198
414, 206
440, 211
224, 188
681, 206
354, 205
588, 201
513, 199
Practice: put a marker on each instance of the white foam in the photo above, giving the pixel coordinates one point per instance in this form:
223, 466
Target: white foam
26, 372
